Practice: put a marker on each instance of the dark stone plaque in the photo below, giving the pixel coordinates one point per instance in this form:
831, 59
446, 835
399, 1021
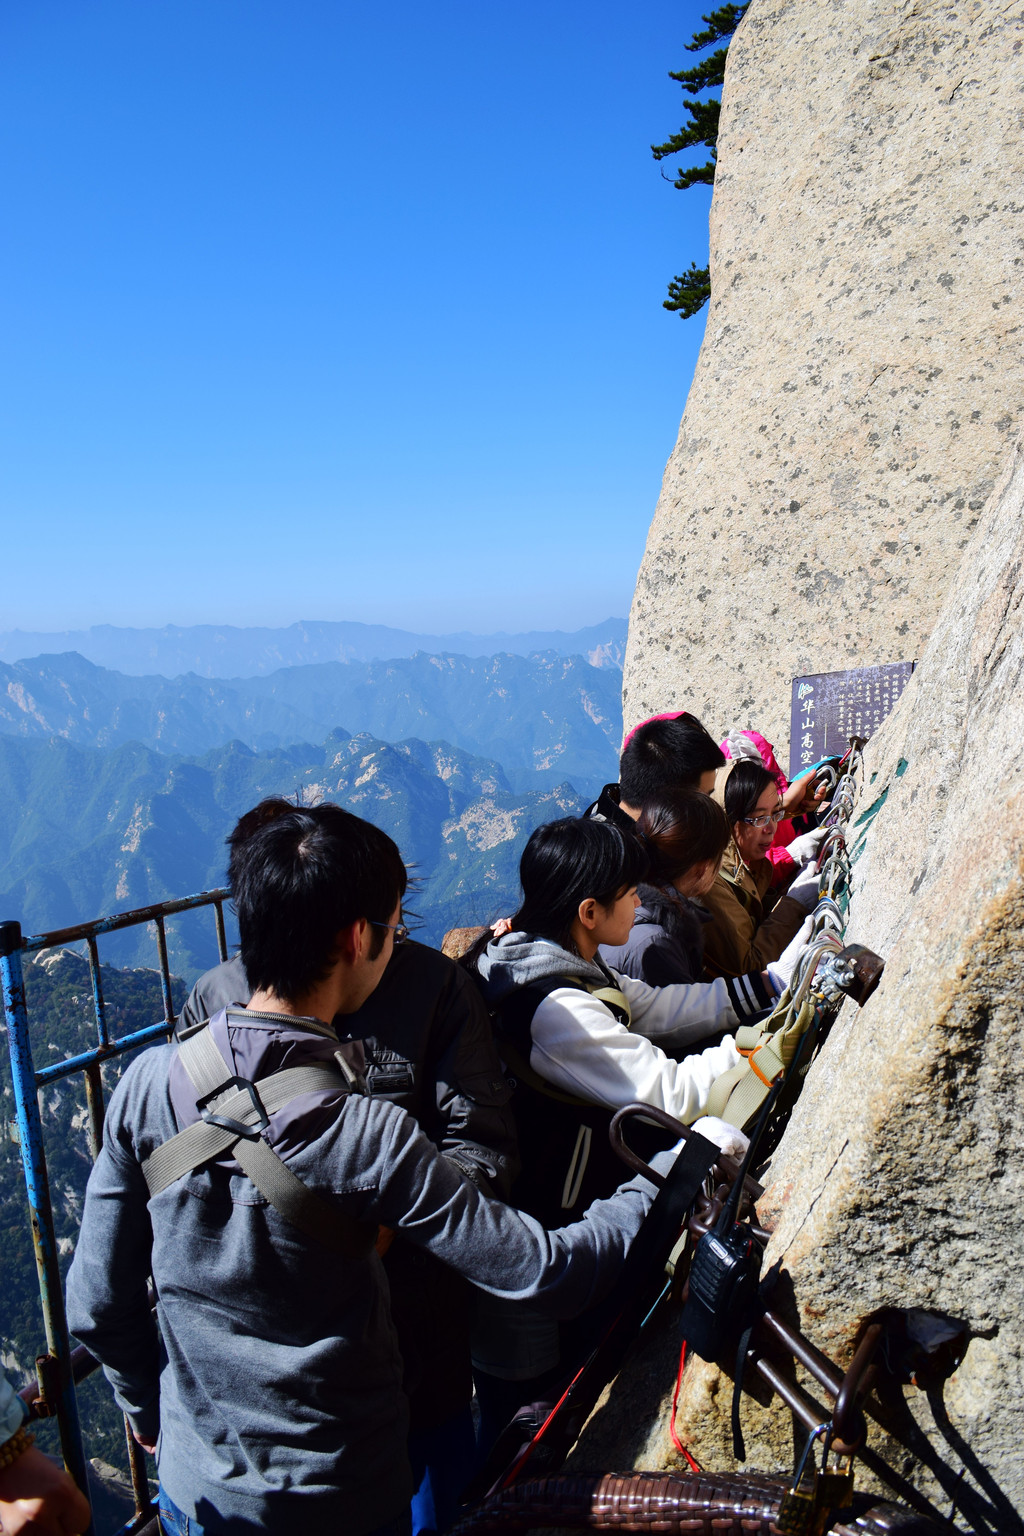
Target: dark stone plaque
830, 707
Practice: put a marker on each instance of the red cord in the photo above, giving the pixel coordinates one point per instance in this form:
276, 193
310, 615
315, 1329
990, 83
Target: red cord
694, 1464
510, 1478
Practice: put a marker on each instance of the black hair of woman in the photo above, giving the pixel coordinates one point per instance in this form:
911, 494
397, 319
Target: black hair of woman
571, 861
744, 787
682, 828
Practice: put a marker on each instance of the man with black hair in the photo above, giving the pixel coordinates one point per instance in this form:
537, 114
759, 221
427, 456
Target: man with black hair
274, 1381
427, 1047
664, 753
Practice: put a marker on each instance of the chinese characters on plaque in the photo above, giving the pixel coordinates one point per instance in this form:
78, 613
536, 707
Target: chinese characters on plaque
830, 707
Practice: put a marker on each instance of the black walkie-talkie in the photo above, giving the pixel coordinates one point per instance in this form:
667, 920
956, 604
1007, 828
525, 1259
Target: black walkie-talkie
726, 1269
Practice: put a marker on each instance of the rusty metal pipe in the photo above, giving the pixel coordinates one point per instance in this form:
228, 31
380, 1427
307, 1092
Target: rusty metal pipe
812, 1360
810, 1413
854, 1385
95, 1106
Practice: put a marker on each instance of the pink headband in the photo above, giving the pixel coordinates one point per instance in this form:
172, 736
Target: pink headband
678, 714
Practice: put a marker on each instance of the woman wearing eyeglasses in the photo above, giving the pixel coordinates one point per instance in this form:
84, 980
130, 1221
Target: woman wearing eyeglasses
750, 923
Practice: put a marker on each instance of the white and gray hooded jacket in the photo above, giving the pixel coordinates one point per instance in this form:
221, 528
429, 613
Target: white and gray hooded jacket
579, 1046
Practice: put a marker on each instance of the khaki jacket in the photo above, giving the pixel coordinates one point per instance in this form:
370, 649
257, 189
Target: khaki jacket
750, 923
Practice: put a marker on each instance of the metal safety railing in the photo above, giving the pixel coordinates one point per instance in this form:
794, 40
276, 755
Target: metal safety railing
61, 1367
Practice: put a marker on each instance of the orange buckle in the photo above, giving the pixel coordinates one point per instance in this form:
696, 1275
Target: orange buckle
768, 1082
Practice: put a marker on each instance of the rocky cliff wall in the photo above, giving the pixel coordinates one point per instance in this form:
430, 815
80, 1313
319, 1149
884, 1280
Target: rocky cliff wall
898, 1182
861, 375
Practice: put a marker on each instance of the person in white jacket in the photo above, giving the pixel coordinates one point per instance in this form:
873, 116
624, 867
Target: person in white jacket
594, 1033
582, 1041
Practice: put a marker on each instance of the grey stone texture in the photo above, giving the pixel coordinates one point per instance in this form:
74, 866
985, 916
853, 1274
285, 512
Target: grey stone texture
862, 372
898, 1182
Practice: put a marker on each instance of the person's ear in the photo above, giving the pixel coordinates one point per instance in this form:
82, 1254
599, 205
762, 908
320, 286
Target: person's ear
587, 914
348, 941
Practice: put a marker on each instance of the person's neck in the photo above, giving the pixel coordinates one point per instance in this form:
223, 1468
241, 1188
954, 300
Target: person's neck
630, 810
319, 1003
583, 941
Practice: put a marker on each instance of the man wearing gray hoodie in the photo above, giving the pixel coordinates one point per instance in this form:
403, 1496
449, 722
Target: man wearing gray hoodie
269, 1381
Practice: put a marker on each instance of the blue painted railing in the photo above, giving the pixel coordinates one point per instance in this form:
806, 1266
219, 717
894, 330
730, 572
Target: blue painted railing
60, 1367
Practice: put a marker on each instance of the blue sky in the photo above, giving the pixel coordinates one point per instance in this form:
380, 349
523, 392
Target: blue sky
337, 312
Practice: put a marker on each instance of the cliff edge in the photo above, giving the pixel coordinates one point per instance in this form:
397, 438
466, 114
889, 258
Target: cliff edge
862, 373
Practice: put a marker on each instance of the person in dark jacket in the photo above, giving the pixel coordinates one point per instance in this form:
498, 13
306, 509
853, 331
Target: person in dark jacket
428, 1047
666, 752
271, 1389
684, 834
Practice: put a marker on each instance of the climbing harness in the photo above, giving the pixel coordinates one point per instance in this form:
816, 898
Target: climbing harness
233, 1112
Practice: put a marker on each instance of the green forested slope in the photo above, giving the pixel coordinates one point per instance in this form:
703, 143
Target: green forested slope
85, 832
59, 1000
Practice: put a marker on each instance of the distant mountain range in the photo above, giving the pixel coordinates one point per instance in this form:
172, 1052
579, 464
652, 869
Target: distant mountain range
546, 718
85, 832
224, 650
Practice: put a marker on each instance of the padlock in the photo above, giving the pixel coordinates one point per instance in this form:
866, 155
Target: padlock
798, 1507
834, 1489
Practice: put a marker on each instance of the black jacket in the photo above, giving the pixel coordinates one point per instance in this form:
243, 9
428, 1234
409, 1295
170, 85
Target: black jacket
607, 808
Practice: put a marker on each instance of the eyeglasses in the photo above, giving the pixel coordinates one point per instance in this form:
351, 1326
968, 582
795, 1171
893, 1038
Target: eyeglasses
400, 931
760, 822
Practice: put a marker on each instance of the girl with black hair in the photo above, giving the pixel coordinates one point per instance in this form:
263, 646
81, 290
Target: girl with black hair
685, 835
751, 924
581, 1041
574, 1032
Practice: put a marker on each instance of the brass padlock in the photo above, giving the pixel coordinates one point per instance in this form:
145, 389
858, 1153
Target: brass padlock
833, 1490
799, 1507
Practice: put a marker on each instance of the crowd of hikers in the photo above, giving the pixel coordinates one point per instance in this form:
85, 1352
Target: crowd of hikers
370, 1187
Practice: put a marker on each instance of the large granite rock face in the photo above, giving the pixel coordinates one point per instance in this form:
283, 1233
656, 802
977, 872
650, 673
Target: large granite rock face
861, 376
898, 1183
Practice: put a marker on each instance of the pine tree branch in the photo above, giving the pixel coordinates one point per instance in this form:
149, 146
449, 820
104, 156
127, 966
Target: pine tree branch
688, 293
703, 129
721, 23
697, 175
703, 77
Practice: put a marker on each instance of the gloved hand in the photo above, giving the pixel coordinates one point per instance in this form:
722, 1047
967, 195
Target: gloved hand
805, 887
803, 849
725, 1136
780, 971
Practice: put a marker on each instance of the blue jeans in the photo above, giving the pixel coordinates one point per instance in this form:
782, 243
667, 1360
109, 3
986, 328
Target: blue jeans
174, 1523
443, 1461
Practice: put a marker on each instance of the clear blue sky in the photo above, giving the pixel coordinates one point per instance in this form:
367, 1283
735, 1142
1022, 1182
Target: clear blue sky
317, 310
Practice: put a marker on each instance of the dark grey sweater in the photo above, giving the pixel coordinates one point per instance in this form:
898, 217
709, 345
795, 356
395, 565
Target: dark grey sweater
278, 1396
666, 942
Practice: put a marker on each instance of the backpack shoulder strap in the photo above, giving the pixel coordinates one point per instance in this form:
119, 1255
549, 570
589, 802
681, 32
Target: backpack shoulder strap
234, 1111
514, 1016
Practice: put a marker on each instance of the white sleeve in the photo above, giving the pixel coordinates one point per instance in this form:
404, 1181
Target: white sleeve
683, 1009
579, 1046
